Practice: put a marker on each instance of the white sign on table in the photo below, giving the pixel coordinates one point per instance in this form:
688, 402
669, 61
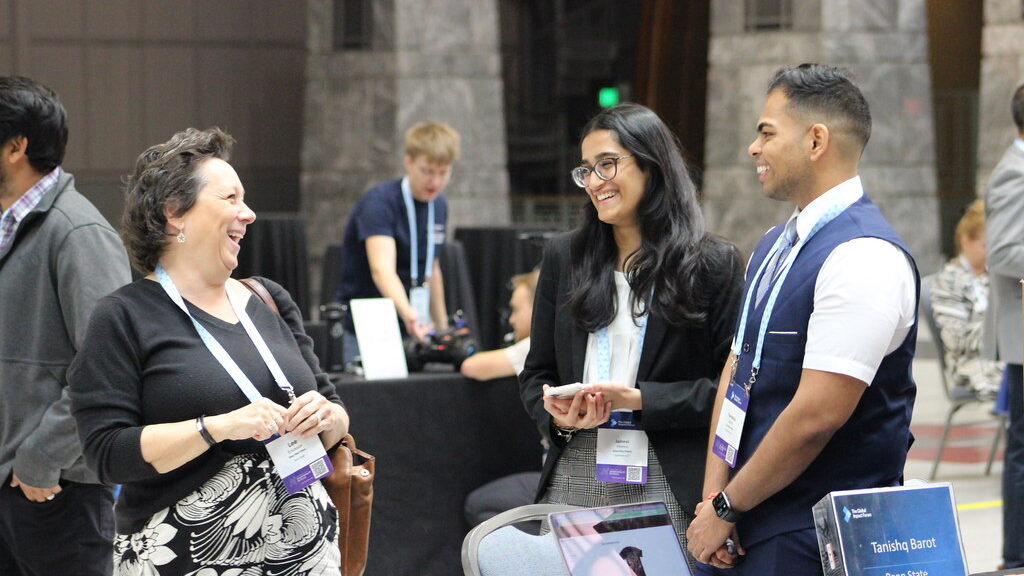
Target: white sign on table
380, 340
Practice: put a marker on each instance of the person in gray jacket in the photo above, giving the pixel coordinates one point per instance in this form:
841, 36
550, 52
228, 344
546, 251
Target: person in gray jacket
58, 256
1001, 335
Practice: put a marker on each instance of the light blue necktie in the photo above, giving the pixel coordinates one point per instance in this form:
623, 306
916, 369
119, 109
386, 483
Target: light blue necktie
788, 239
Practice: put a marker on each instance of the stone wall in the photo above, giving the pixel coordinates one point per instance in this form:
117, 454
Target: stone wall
884, 44
1002, 70
429, 60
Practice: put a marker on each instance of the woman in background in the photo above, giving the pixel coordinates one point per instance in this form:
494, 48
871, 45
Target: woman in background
158, 407
639, 303
959, 303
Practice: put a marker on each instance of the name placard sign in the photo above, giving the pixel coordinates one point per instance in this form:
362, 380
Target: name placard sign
902, 531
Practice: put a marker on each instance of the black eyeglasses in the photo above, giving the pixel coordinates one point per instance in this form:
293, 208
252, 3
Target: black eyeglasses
605, 169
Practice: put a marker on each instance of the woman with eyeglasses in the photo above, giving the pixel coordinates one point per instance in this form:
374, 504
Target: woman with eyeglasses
638, 304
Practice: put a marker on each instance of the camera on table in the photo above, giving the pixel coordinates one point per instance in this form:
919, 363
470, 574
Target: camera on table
452, 346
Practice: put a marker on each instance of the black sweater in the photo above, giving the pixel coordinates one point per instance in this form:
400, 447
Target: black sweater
143, 363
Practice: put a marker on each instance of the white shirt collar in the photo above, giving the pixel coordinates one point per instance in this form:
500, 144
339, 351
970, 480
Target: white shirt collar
844, 194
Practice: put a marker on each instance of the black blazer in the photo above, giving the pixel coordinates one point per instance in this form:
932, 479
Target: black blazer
678, 373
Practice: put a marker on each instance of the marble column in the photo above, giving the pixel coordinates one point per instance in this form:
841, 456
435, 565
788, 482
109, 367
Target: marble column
426, 60
884, 44
1002, 70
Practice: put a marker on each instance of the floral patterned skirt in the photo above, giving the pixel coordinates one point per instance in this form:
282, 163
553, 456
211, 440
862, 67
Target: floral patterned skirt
241, 522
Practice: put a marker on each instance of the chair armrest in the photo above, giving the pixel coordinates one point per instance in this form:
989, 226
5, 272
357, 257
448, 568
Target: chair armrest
471, 543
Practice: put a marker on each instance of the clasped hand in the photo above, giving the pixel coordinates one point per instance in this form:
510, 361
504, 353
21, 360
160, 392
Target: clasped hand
592, 405
310, 414
706, 538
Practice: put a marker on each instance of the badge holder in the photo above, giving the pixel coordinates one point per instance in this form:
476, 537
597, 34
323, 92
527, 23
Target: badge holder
621, 450
299, 462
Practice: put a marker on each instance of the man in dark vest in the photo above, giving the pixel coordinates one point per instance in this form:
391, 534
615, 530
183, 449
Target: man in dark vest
817, 393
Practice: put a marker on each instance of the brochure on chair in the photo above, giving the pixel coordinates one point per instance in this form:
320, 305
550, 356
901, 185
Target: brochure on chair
901, 531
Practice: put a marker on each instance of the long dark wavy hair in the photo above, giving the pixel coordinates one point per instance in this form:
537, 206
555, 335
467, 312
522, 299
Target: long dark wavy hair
673, 259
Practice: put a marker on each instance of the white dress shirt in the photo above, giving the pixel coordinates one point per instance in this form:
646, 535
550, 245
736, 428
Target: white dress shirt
864, 304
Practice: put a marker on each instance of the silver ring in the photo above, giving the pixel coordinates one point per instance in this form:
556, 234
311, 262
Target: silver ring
318, 419
51, 497
271, 427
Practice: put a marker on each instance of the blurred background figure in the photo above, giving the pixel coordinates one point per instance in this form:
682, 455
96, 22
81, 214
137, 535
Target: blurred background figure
960, 300
393, 235
1004, 217
515, 489
58, 256
508, 361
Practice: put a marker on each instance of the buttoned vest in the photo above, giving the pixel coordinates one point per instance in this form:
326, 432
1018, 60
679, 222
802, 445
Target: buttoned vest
871, 448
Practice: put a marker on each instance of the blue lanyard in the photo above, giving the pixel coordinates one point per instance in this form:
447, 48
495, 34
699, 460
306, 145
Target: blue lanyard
1019, 144
410, 212
604, 356
787, 265
219, 352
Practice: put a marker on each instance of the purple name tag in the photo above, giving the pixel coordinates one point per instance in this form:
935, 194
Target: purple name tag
299, 461
307, 475
621, 474
730, 424
721, 449
621, 450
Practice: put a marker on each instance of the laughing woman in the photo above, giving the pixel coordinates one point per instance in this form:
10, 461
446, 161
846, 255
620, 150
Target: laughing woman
175, 392
638, 303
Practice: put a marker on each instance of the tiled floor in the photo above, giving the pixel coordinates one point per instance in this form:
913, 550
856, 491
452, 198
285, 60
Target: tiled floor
978, 495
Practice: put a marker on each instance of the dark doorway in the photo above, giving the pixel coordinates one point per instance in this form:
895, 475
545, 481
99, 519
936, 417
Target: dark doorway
558, 55
954, 40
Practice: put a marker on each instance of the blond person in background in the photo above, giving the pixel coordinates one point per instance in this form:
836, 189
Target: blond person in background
508, 361
394, 236
959, 302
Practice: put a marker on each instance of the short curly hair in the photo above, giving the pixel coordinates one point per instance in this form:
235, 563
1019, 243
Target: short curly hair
166, 175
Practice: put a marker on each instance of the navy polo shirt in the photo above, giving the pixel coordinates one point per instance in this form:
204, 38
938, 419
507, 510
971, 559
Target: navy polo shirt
381, 212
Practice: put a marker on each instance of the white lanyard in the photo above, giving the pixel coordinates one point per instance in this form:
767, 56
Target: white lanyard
410, 212
219, 352
787, 265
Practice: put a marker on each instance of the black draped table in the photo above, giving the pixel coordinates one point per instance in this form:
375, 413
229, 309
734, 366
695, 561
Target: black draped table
436, 437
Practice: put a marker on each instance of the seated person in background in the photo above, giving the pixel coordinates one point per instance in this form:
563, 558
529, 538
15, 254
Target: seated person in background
508, 361
391, 241
513, 490
959, 302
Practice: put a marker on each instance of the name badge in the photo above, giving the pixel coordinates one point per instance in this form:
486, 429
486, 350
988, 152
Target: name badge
299, 462
730, 423
621, 450
419, 299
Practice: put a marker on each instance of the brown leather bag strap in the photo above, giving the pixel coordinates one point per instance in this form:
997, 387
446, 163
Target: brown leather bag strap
261, 292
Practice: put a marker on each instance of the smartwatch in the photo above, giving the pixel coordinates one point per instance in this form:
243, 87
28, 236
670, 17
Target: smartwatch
723, 508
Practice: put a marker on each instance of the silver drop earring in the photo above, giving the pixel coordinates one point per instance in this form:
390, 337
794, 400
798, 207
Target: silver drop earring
181, 237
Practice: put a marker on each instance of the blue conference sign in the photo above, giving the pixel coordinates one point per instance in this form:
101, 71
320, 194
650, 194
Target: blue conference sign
903, 532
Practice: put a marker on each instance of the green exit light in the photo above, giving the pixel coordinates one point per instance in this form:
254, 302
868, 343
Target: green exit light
608, 97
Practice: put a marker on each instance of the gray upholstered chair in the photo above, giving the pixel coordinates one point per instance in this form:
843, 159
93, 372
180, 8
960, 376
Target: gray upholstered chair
497, 548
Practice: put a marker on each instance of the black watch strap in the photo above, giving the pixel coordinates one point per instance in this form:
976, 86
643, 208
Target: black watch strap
723, 508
